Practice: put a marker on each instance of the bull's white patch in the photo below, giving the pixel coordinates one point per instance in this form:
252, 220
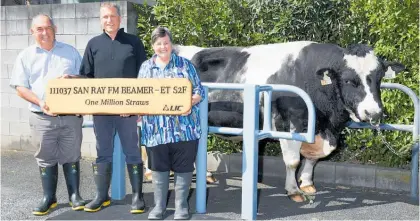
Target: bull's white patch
390, 74
363, 67
307, 172
327, 147
187, 51
325, 79
353, 115
265, 60
291, 156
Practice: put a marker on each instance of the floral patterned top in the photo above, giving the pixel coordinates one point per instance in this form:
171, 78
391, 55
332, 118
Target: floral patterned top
162, 129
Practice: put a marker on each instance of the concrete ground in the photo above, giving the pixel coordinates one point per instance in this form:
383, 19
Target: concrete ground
20, 191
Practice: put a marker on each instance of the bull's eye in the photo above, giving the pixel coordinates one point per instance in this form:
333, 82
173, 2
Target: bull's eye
350, 82
368, 80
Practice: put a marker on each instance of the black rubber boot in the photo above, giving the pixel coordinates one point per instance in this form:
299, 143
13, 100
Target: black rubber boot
160, 187
182, 189
135, 172
102, 175
49, 177
72, 176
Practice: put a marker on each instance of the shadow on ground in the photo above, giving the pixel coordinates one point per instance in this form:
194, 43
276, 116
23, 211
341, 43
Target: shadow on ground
225, 198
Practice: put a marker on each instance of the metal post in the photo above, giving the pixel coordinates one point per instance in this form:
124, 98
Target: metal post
118, 171
414, 194
267, 111
201, 162
415, 152
250, 153
414, 179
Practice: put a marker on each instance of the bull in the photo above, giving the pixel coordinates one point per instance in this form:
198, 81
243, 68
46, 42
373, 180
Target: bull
343, 83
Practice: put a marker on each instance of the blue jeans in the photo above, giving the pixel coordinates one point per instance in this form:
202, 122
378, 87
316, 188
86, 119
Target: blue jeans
126, 127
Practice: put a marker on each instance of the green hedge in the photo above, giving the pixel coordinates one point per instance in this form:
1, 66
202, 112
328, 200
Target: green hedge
390, 26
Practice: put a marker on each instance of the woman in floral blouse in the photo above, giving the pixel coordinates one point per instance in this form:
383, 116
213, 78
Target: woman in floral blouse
171, 140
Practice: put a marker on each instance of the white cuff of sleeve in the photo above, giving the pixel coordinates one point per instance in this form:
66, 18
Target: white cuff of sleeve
41, 104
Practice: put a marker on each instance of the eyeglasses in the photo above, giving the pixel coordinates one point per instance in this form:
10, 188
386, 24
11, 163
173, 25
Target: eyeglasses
41, 29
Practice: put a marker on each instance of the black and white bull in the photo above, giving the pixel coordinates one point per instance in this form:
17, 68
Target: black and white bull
343, 83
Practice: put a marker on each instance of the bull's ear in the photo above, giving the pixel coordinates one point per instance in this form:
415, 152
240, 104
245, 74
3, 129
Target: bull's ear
392, 69
326, 76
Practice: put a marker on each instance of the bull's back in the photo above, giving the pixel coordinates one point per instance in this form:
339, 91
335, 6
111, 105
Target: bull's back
268, 61
261, 64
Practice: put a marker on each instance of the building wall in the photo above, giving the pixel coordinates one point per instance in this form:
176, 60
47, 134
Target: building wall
76, 24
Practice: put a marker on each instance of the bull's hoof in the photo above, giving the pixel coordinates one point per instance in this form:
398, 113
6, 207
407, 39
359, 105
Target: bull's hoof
310, 189
210, 179
148, 176
297, 197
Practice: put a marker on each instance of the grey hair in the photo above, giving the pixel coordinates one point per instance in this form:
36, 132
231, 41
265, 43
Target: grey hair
111, 5
42, 15
160, 32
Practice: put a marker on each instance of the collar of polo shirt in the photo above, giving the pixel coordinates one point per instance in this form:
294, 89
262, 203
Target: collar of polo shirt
56, 44
170, 64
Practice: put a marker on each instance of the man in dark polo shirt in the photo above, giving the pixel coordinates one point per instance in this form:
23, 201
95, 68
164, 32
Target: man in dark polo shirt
114, 54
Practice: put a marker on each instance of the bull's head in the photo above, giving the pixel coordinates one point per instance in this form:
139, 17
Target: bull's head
358, 79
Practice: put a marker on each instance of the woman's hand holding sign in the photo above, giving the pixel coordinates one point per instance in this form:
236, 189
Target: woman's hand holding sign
196, 98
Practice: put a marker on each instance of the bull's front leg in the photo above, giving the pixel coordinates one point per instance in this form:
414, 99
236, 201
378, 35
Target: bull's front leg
291, 156
312, 152
306, 179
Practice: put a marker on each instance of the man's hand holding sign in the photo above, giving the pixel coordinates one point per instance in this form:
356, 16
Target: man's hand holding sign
120, 96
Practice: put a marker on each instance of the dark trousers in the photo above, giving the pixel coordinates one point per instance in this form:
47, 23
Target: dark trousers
178, 157
105, 128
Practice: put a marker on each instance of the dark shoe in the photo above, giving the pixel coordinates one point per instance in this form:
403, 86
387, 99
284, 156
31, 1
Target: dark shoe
49, 177
102, 175
72, 176
135, 172
182, 190
160, 187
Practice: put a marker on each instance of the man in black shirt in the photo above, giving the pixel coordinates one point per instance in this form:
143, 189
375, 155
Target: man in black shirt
114, 54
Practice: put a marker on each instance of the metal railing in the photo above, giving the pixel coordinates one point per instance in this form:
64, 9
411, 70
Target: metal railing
251, 134
414, 129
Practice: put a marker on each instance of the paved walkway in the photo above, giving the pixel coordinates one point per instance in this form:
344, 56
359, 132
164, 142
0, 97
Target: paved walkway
20, 191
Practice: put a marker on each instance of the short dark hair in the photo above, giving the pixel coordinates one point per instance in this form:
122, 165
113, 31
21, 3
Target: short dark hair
160, 32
